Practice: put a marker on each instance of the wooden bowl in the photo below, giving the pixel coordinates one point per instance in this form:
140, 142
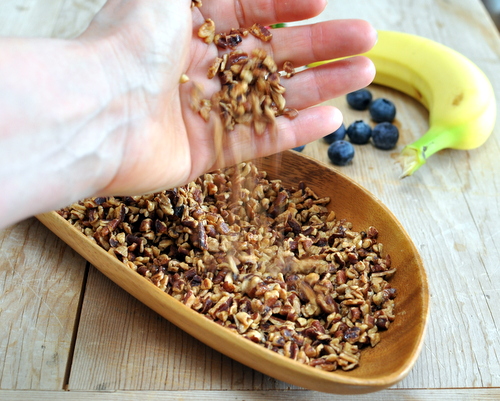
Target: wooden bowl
380, 367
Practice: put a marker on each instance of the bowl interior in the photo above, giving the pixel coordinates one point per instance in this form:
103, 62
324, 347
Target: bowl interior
399, 348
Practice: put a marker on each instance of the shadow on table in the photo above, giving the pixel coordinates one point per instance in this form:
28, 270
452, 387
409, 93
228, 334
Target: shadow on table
493, 7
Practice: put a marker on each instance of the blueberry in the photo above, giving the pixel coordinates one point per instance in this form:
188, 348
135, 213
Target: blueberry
299, 148
382, 110
359, 132
360, 99
335, 135
340, 152
385, 136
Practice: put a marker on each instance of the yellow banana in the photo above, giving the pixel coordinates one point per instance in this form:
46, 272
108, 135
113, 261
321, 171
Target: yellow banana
457, 94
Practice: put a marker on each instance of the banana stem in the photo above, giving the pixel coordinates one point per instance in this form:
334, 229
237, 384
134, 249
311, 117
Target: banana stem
411, 161
415, 155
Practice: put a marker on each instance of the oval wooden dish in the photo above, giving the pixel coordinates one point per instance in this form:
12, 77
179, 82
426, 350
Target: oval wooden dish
380, 367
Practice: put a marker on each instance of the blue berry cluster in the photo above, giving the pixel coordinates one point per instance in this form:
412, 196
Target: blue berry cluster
384, 135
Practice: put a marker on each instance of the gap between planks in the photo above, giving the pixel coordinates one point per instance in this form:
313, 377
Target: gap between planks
69, 362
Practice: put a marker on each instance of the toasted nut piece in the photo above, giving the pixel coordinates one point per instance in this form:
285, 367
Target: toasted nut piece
289, 69
207, 31
261, 32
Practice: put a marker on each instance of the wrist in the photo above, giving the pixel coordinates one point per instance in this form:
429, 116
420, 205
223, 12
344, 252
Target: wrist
55, 125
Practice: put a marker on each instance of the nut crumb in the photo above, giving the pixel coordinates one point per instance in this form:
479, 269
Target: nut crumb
289, 69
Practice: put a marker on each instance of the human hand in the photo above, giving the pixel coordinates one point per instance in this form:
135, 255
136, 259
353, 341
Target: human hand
146, 45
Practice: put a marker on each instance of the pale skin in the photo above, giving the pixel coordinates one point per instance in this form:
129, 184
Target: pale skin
105, 113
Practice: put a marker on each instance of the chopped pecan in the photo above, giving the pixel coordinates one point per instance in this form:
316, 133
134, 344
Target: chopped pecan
289, 69
261, 32
207, 31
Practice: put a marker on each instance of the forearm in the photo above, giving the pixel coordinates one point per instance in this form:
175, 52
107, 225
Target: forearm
56, 119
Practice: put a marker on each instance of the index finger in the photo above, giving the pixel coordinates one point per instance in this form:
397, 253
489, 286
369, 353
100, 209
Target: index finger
229, 14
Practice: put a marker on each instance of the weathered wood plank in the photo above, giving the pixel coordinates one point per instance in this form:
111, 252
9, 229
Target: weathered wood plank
450, 208
270, 395
40, 284
28, 18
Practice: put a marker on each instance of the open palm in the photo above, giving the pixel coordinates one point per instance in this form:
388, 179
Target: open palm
149, 44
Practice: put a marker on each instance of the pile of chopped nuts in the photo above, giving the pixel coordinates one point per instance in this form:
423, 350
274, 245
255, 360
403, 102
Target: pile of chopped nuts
269, 262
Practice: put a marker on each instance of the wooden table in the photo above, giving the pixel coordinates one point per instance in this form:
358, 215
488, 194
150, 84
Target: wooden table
64, 326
